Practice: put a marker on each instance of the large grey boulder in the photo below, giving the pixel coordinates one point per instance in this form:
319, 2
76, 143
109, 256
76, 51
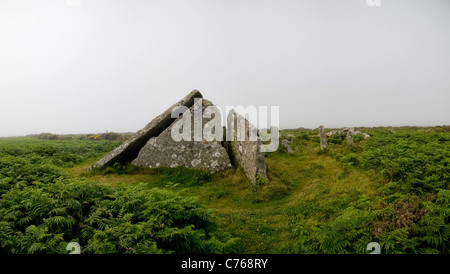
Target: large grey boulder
244, 146
164, 151
129, 150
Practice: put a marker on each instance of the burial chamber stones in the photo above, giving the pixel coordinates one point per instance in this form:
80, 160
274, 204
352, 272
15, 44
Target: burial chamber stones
190, 134
164, 151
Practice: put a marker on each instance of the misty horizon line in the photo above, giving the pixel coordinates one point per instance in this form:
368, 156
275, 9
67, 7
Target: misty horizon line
280, 128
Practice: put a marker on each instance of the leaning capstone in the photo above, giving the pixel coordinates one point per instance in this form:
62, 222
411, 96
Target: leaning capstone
244, 147
194, 150
287, 145
323, 138
128, 150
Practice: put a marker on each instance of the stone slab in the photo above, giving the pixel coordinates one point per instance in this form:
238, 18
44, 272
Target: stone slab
244, 147
129, 150
164, 151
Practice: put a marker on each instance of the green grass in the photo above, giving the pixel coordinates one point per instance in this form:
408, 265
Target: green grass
333, 201
264, 217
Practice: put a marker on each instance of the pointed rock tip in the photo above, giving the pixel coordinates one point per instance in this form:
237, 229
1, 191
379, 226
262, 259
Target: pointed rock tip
195, 93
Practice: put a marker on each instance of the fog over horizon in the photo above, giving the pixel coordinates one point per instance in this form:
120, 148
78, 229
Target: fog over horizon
90, 66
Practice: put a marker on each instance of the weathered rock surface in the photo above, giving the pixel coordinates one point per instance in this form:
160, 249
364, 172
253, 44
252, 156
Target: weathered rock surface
155, 145
323, 138
164, 151
349, 138
244, 147
287, 145
128, 150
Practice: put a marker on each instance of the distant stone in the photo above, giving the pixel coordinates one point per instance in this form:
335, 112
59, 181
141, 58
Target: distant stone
244, 147
346, 130
164, 151
323, 138
349, 138
287, 145
128, 150
329, 134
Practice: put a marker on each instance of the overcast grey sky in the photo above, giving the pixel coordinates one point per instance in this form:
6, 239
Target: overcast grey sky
116, 64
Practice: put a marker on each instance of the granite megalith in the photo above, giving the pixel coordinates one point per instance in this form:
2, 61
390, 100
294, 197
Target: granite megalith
129, 149
244, 146
164, 151
287, 145
349, 137
190, 134
323, 138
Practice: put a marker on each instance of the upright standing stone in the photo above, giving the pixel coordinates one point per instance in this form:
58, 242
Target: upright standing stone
349, 137
244, 147
323, 138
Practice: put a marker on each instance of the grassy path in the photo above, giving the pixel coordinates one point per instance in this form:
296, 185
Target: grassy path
266, 217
